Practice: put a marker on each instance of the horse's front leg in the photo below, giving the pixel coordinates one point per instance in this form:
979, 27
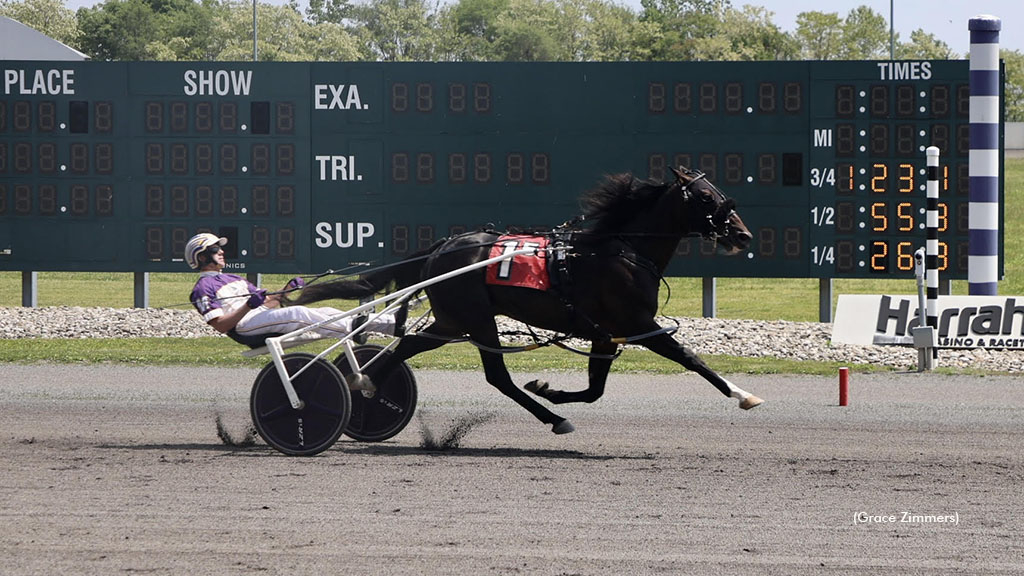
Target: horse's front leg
666, 346
598, 374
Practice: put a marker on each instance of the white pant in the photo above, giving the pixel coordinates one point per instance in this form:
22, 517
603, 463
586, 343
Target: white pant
282, 320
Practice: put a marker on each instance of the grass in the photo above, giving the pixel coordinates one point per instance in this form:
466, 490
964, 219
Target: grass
738, 298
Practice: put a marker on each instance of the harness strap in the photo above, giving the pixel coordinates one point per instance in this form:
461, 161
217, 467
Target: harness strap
641, 261
558, 341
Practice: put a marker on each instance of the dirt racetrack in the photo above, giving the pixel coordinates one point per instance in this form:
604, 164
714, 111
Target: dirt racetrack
118, 470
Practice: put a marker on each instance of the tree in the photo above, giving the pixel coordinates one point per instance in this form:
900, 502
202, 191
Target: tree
467, 29
328, 11
924, 46
864, 35
527, 32
607, 31
476, 18
186, 28
397, 30
51, 17
712, 30
118, 30
331, 42
592, 30
1014, 87
283, 35
747, 34
819, 35
682, 25
149, 29
531, 30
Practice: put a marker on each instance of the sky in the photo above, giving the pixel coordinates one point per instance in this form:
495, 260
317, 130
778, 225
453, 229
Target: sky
946, 19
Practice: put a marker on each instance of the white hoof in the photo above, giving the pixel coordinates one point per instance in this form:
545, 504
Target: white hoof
750, 402
563, 427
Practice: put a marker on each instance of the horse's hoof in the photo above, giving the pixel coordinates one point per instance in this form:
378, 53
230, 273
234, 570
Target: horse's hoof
750, 402
537, 387
563, 427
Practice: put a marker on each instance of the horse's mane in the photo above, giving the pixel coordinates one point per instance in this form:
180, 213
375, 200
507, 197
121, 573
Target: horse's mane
617, 199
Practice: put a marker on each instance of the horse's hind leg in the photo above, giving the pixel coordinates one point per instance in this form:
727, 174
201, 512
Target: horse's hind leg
666, 346
597, 372
411, 345
498, 376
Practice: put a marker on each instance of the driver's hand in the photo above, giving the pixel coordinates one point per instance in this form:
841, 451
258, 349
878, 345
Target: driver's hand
256, 299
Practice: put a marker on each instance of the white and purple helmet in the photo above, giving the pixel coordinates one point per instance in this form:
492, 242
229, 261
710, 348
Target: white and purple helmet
198, 244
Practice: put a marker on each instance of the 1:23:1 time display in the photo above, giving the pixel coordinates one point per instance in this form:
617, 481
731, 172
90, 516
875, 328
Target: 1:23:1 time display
885, 179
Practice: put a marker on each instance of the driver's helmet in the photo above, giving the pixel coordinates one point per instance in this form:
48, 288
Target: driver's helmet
199, 243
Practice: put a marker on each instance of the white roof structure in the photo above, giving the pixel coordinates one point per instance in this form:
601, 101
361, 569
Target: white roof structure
19, 42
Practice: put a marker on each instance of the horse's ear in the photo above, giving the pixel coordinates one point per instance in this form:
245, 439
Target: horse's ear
679, 175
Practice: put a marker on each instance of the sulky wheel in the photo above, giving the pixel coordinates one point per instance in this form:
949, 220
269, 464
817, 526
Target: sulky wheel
380, 415
316, 426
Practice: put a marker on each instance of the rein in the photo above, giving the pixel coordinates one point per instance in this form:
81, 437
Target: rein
313, 278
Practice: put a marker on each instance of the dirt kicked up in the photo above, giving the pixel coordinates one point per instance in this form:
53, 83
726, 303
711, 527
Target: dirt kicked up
110, 469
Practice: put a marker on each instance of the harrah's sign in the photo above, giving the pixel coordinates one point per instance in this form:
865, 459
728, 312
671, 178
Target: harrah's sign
963, 321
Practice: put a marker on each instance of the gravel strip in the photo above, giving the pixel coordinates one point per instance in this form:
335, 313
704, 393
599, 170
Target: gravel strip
748, 338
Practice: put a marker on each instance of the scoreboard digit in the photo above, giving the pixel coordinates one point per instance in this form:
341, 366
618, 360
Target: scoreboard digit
310, 166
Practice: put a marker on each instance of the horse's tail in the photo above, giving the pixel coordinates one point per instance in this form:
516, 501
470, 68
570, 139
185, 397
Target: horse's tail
403, 274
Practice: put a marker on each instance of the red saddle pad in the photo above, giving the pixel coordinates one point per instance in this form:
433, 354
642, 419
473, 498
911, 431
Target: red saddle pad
524, 270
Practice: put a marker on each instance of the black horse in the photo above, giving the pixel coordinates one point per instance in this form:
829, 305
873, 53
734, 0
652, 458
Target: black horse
609, 289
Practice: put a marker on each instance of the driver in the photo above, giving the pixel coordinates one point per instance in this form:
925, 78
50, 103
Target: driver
234, 306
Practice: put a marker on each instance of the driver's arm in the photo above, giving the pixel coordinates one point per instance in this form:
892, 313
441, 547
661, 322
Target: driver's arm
225, 322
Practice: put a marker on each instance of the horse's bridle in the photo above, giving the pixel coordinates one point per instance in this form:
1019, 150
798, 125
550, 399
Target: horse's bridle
716, 224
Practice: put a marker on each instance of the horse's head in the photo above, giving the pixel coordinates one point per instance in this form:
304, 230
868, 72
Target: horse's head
711, 213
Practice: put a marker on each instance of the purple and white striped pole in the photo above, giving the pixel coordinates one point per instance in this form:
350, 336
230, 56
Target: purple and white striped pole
983, 232
931, 260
